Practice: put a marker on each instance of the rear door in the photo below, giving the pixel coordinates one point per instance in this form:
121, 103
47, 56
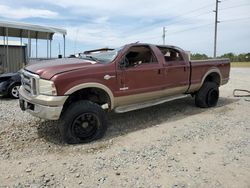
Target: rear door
176, 69
140, 72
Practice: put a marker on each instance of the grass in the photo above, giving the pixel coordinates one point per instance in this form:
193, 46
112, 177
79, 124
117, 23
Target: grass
240, 64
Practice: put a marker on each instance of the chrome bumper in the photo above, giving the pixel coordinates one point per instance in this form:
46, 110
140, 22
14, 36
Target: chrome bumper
45, 107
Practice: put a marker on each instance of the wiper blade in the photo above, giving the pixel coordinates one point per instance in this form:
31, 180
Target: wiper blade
92, 58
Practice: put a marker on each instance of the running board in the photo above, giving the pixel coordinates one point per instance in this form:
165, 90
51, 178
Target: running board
154, 102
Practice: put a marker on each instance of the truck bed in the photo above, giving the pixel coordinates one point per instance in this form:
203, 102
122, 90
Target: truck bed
201, 68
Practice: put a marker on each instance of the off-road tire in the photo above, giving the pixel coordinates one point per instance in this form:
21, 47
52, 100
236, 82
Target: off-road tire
207, 96
82, 115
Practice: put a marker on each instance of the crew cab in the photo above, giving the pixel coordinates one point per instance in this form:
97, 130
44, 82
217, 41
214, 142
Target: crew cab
80, 91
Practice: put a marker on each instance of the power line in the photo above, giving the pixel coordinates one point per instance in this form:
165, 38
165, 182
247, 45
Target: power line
192, 28
197, 27
179, 21
216, 21
237, 19
189, 18
242, 5
176, 18
195, 10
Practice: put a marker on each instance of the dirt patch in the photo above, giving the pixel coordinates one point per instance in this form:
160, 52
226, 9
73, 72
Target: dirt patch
171, 145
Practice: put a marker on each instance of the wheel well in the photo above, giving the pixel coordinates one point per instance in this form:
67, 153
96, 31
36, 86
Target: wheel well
96, 95
213, 77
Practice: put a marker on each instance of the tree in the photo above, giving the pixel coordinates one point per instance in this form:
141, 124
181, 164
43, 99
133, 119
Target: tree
244, 57
231, 56
198, 56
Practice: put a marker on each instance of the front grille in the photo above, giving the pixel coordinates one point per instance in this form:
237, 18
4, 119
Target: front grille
29, 82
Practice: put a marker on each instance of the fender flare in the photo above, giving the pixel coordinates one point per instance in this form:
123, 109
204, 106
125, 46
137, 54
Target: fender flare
210, 71
92, 85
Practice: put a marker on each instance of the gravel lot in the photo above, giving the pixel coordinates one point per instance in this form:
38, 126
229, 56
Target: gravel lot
170, 145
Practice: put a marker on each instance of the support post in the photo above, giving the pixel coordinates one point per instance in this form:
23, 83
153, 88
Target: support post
4, 48
21, 50
21, 37
29, 46
50, 41
47, 46
36, 45
64, 46
7, 50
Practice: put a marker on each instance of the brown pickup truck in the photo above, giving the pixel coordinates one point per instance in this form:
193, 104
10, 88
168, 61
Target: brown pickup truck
79, 91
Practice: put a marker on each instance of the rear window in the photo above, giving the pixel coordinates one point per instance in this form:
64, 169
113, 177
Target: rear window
171, 55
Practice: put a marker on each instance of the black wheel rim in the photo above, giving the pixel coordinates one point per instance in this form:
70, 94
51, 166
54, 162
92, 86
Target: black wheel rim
85, 126
213, 96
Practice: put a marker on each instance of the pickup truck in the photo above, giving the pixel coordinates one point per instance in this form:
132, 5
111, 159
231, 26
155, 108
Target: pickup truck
80, 91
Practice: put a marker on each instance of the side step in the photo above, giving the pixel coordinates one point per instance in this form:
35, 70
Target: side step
154, 102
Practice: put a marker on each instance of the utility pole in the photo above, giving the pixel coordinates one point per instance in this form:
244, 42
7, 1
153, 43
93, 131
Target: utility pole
215, 27
164, 35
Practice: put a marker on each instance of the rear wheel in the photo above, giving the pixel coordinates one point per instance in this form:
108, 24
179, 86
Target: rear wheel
82, 122
208, 95
13, 91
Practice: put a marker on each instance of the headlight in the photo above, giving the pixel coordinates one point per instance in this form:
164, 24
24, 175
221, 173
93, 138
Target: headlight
47, 87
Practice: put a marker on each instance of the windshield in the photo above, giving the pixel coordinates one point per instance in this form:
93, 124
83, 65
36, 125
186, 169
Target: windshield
102, 57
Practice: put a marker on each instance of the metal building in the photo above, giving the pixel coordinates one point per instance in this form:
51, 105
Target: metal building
17, 56
9, 60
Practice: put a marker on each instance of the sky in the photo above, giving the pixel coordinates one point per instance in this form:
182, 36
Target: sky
113, 23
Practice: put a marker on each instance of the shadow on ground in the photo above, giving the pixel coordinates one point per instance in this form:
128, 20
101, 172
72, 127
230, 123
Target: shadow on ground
6, 98
121, 124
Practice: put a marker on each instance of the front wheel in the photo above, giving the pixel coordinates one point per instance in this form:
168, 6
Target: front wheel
207, 96
82, 122
14, 91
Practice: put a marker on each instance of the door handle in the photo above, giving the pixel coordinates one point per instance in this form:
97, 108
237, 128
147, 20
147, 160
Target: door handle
107, 77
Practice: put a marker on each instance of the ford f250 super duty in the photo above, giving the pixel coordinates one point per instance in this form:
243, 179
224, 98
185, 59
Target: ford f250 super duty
79, 91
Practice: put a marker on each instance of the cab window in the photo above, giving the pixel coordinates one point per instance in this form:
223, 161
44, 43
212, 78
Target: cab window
171, 55
139, 55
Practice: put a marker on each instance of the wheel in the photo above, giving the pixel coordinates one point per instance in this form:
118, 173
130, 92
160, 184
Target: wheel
82, 122
207, 96
13, 91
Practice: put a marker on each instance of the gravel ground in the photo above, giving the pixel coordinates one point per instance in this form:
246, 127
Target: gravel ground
170, 145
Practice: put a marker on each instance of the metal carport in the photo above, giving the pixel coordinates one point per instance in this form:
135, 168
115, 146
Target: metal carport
29, 31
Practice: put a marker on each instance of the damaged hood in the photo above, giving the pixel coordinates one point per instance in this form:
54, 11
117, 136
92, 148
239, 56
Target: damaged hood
48, 68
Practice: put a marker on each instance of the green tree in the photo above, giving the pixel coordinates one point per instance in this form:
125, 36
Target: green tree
243, 57
198, 56
231, 56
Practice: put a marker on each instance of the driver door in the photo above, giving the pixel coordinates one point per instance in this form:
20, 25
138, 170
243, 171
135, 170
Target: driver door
140, 75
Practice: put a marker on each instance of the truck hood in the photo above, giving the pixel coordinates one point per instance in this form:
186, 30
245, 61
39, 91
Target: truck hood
48, 68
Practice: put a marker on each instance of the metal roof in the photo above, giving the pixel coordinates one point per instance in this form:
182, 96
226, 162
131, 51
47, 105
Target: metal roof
25, 30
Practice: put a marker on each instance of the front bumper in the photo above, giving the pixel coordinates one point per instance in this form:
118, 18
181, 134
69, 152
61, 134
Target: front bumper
45, 107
